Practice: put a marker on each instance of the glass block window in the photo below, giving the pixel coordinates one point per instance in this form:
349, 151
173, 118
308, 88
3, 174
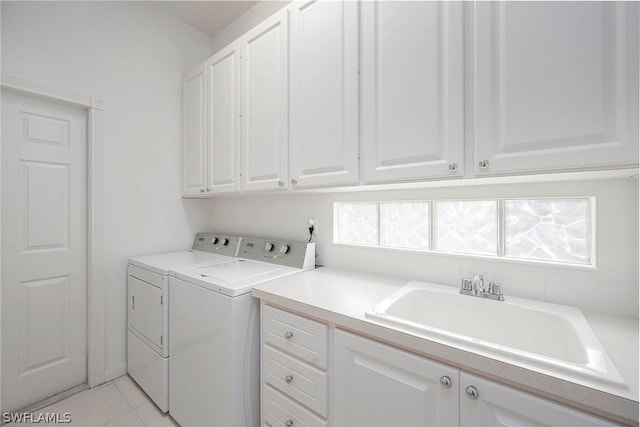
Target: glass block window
558, 230
357, 223
554, 230
405, 225
469, 227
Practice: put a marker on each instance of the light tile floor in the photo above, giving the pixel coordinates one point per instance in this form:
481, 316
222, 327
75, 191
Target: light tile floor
119, 403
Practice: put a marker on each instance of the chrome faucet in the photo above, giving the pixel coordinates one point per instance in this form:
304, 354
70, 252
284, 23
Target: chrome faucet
475, 287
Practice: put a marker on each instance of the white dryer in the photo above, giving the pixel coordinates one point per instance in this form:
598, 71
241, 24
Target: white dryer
148, 309
214, 349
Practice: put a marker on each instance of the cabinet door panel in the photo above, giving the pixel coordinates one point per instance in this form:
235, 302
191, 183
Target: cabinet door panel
412, 99
498, 405
265, 106
194, 133
378, 385
556, 85
223, 142
324, 93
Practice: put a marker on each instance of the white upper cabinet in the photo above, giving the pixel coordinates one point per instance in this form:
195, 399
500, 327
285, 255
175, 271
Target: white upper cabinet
194, 133
264, 53
223, 99
412, 90
555, 86
324, 93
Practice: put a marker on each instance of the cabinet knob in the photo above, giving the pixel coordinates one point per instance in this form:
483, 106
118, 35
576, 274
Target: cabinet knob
472, 392
453, 167
280, 184
288, 335
288, 423
294, 181
202, 190
208, 189
445, 381
288, 379
484, 164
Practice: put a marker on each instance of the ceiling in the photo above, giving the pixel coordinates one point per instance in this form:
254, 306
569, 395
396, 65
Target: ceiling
210, 17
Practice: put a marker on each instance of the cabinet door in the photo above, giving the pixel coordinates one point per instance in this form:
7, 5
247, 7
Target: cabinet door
378, 385
324, 93
556, 85
224, 121
194, 133
264, 60
498, 405
412, 98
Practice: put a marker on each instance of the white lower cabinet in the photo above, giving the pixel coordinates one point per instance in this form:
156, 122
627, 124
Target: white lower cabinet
484, 403
366, 383
378, 385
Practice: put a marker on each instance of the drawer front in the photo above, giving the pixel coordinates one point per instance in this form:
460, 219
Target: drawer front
279, 411
296, 379
300, 337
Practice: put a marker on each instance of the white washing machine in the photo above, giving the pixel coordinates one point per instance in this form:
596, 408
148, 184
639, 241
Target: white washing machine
148, 312
214, 348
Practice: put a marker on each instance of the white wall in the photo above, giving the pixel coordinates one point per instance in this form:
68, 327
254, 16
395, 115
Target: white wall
133, 56
613, 288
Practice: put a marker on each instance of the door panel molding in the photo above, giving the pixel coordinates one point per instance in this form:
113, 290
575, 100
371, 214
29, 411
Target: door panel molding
96, 271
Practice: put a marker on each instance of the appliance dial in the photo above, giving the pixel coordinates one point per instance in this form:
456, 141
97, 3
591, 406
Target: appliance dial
214, 240
225, 242
284, 249
268, 247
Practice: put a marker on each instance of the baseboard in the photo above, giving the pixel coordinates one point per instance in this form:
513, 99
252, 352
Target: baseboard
115, 372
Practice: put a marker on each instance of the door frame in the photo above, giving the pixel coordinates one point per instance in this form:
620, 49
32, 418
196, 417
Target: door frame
95, 261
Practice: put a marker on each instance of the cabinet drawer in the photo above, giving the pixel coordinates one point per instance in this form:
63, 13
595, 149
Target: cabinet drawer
297, 380
281, 411
300, 337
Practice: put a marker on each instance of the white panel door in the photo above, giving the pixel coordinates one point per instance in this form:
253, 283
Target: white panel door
194, 133
378, 385
223, 85
556, 85
498, 405
324, 93
43, 249
412, 90
264, 57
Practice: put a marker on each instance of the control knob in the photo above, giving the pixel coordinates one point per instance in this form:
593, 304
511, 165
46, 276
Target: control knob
268, 247
225, 242
284, 249
214, 240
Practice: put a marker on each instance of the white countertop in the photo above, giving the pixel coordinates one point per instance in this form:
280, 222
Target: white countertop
341, 298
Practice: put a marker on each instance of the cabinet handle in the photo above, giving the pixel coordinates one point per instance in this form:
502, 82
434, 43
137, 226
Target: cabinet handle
288, 423
133, 303
484, 164
445, 381
288, 379
202, 190
280, 184
294, 181
472, 392
453, 167
288, 335
208, 189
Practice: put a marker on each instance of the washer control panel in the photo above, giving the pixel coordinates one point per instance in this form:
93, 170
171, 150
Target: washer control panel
217, 243
288, 253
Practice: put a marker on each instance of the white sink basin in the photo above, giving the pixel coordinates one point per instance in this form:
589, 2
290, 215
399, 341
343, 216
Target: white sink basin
552, 338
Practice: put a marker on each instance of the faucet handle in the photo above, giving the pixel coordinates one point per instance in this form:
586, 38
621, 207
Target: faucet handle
495, 288
465, 285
